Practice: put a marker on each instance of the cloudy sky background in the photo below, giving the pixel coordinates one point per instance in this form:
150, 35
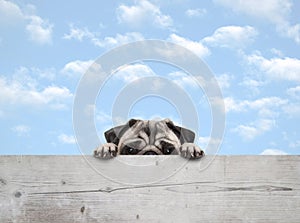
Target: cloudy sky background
252, 47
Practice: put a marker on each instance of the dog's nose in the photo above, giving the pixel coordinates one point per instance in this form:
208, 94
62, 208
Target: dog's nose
150, 153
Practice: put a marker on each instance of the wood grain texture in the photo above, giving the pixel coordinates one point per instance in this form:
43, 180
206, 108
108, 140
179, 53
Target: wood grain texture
78, 189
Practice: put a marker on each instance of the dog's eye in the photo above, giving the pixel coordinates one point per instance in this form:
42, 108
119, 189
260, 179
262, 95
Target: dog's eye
167, 148
127, 150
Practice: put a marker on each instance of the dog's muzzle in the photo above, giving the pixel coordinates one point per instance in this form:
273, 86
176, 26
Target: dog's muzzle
150, 150
150, 153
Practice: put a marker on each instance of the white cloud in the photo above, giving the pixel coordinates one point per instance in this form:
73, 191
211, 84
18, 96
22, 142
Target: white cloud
77, 67
272, 10
292, 109
253, 85
67, 139
262, 104
273, 152
30, 76
195, 12
25, 77
38, 29
53, 93
232, 105
224, 80
10, 13
204, 141
196, 47
143, 12
232, 36
266, 109
133, 72
294, 92
183, 79
81, 34
48, 73
252, 130
120, 39
21, 130
276, 68
14, 92
276, 12
291, 31
277, 52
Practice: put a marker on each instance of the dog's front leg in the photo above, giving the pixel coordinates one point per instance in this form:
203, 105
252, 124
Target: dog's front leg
191, 151
106, 151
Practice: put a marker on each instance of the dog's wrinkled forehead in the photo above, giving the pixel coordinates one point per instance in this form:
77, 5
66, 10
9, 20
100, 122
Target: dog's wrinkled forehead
151, 127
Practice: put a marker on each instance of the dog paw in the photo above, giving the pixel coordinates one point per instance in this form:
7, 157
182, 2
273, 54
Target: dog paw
191, 151
106, 151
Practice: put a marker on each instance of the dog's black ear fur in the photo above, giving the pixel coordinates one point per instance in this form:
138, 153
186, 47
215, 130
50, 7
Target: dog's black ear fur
114, 134
183, 134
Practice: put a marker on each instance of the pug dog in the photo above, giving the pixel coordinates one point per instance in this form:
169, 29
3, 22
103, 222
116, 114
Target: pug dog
149, 137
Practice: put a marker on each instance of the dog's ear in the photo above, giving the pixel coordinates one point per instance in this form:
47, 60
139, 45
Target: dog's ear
183, 134
114, 134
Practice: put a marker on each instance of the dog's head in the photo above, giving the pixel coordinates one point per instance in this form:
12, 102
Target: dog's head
139, 137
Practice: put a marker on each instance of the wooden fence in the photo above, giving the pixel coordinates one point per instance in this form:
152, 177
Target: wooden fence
81, 189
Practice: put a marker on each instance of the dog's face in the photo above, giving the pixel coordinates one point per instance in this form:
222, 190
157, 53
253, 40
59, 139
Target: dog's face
140, 137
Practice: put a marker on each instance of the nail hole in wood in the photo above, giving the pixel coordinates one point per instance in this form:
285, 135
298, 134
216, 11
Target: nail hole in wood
18, 194
82, 209
2, 181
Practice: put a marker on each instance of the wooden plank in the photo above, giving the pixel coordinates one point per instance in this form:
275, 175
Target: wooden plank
168, 189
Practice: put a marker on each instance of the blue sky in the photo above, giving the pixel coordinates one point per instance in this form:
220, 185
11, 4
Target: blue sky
252, 47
